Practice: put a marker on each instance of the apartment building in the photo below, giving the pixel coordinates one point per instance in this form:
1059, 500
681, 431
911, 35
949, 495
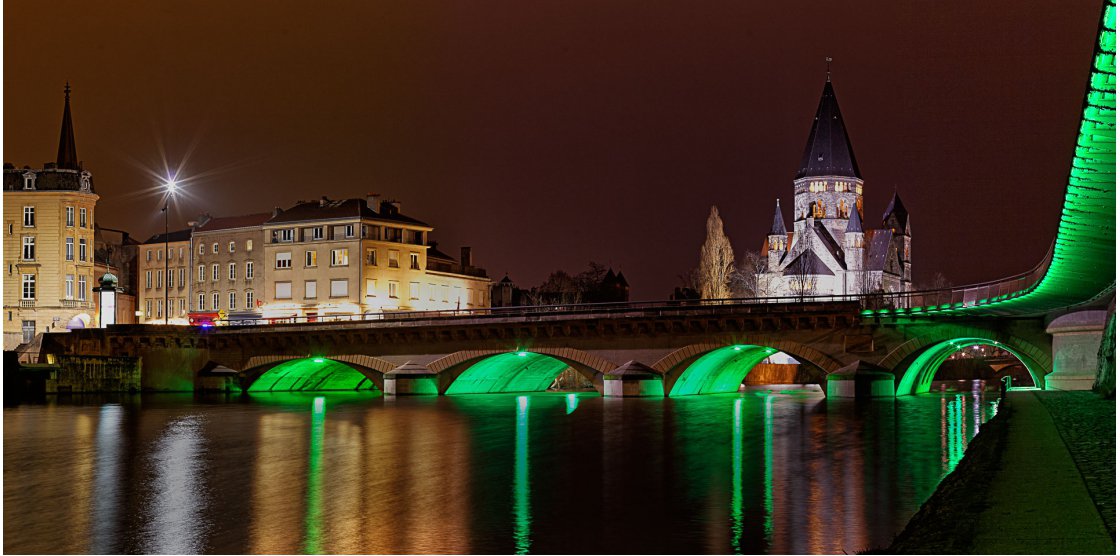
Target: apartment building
165, 276
228, 267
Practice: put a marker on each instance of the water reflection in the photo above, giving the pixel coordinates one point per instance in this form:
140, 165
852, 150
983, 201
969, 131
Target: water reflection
353, 474
175, 521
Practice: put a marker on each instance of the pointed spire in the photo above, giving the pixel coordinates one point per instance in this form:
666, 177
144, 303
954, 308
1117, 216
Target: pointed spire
67, 152
898, 210
828, 69
854, 223
828, 151
778, 228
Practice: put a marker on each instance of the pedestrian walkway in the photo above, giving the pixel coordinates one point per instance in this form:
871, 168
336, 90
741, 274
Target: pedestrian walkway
1038, 502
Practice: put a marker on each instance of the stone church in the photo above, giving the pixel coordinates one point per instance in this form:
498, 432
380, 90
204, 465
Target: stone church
832, 249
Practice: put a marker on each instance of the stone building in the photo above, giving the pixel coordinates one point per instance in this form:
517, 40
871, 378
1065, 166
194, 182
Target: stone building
331, 258
48, 244
228, 267
152, 263
831, 251
116, 252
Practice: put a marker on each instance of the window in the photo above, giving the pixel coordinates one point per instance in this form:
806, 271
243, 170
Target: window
201, 249
28, 217
231, 245
317, 233
201, 302
338, 288
232, 301
170, 279
159, 279
28, 248
28, 331
283, 290
349, 230
309, 289
371, 257
69, 248
283, 260
414, 261
371, 287
159, 308
148, 279
182, 305
414, 290
394, 257
69, 217
214, 248
232, 271
148, 255
148, 309
285, 236
81, 249
392, 289
249, 270
248, 245
201, 273
310, 259
217, 299
28, 184
214, 273
249, 299
182, 277
69, 286
180, 252
82, 287
340, 257
82, 217
28, 286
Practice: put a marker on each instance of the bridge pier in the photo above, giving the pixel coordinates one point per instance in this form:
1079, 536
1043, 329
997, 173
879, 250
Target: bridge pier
633, 379
411, 379
1077, 339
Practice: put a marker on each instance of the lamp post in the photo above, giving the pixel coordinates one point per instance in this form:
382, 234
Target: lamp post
171, 188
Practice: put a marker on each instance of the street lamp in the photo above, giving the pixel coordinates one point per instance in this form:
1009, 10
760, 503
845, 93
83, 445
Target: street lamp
171, 187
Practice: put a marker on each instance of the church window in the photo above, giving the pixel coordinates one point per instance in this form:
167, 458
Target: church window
842, 209
818, 209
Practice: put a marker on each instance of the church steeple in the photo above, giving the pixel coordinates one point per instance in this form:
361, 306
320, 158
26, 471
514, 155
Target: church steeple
778, 228
67, 152
828, 151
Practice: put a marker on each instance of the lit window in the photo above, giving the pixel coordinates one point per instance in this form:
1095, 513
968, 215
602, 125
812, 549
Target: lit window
248, 245
310, 259
338, 288
340, 257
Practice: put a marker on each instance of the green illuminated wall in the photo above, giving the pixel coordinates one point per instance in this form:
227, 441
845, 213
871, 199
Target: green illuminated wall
1084, 252
720, 371
311, 374
520, 371
920, 373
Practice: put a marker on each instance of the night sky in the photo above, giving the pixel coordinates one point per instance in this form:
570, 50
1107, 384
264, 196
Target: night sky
550, 134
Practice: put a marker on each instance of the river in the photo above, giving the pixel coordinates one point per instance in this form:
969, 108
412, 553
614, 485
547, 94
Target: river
761, 471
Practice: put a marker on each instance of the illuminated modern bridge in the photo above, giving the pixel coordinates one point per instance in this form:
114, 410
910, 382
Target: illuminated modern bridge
1052, 318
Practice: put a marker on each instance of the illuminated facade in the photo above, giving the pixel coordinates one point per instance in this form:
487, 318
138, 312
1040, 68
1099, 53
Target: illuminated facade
829, 251
48, 244
330, 258
152, 281
228, 266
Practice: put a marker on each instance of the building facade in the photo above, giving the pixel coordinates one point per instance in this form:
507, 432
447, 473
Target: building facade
165, 276
228, 267
335, 258
49, 244
830, 250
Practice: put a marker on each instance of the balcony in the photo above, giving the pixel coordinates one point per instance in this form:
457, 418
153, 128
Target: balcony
27, 303
75, 304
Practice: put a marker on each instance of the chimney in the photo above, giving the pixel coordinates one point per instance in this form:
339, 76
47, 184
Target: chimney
373, 201
465, 257
276, 211
323, 201
390, 207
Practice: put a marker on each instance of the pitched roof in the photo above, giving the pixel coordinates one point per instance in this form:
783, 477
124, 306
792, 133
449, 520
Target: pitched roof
830, 243
898, 209
877, 250
828, 151
231, 222
854, 223
177, 235
328, 209
434, 253
67, 152
778, 228
813, 265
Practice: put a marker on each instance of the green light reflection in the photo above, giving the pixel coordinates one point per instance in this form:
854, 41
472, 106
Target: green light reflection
308, 374
522, 517
737, 477
572, 403
919, 375
768, 478
314, 517
509, 372
720, 371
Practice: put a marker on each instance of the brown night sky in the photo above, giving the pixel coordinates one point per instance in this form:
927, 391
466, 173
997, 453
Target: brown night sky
548, 134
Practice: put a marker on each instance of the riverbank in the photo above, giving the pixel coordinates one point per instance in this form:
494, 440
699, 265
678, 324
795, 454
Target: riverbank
1039, 478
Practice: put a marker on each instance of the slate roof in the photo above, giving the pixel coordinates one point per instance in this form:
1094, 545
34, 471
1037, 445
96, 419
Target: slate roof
778, 228
854, 223
67, 152
434, 253
177, 235
335, 209
828, 151
815, 265
877, 249
898, 209
232, 222
830, 243
45, 179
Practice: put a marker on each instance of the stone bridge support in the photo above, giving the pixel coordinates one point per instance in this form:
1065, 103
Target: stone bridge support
1077, 340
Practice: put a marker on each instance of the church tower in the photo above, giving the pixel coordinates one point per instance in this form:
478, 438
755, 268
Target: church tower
776, 243
897, 220
828, 186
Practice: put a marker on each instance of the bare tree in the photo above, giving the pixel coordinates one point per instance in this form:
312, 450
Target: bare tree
751, 277
717, 260
803, 282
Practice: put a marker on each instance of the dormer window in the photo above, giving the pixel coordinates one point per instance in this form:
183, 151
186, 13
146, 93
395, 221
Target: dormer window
29, 181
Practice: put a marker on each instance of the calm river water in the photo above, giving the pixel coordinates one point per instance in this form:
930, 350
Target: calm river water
754, 472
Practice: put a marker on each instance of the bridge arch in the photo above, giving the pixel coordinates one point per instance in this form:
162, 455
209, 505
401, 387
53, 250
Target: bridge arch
517, 370
915, 361
287, 373
713, 368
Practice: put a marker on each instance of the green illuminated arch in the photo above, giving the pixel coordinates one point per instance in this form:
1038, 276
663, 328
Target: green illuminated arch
719, 371
520, 371
919, 374
311, 374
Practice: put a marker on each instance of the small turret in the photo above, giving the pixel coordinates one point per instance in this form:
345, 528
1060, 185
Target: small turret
777, 242
853, 243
